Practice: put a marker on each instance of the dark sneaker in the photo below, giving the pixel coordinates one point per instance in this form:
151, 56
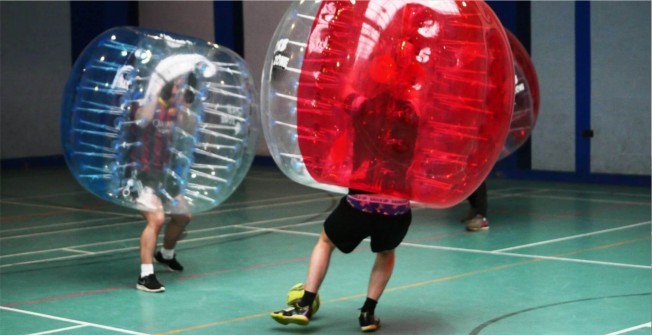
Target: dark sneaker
368, 322
149, 284
172, 264
295, 314
477, 223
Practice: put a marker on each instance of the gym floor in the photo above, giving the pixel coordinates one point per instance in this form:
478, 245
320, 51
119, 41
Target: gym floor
560, 258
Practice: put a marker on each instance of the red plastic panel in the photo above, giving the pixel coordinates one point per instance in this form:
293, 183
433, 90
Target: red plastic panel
411, 99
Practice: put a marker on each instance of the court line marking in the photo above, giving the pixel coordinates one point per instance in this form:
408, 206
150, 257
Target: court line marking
59, 330
49, 195
485, 252
61, 224
141, 221
604, 231
252, 230
64, 231
361, 295
533, 259
234, 207
95, 325
539, 257
236, 225
274, 176
534, 309
65, 208
591, 200
65, 296
220, 209
78, 251
397, 288
645, 325
116, 250
498, 194
637, 195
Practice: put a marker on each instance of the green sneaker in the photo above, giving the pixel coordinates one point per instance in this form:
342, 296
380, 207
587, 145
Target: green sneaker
294, 314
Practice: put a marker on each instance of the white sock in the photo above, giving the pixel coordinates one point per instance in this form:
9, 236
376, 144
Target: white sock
167, 253
146, 270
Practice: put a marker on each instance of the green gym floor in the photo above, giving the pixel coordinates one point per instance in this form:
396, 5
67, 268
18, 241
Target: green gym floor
559, 258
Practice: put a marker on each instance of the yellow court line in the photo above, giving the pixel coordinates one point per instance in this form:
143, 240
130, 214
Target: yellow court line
398, 288
606, 246
212, 324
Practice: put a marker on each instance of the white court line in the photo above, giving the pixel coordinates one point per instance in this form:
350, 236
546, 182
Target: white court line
62, 231
49, 195
539, 257
573, 237
61, 224
78, 251
223, 208
187, 240
278, 230
71, 209
426, 246
261, 176
645, 325
528, 192
219, 211
58, 330
304, 233
591, 200
95, 325
515, 194
138, 238
527, 189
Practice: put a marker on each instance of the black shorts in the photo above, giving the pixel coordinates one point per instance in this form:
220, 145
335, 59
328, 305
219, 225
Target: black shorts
346, 227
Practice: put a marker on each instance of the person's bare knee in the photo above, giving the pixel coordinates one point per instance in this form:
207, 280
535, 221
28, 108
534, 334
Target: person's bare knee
154, 219
325, 242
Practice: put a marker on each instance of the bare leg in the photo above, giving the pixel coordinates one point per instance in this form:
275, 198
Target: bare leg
380, 274
319, 261
174, 229
150, 235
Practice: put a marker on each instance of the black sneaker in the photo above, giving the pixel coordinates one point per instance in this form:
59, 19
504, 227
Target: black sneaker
295, 314
172, 264
149, 284
368, 322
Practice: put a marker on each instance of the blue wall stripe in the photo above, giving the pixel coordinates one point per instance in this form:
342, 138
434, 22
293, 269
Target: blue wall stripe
582, 86
229, 25
515, 17
88, 19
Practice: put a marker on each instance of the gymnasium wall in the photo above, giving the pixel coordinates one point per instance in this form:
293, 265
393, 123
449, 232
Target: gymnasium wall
592, 59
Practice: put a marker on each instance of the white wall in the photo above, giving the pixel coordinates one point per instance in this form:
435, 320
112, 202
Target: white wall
553, 55
620, 87
36, 60
260, 21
